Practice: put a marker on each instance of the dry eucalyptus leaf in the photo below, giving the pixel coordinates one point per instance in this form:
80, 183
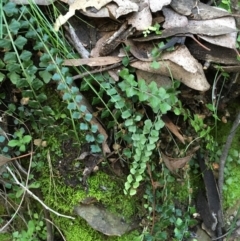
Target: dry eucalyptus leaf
156, 5
226, 40
195, 81
141, 20
98, 61
183, 58
124, 7
173, 19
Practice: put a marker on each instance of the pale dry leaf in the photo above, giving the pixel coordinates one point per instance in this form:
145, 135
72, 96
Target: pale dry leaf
24, 101
141, 20
156, 5
97, 61
124, 7
182, 57
173, 19
225, 40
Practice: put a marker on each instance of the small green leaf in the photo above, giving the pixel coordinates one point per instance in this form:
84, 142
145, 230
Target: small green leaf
20, 42
2, 77
94, 128
2, 139
71, 106
46, 76
100, 138
155, 65
27, 139
83, 126
25, 55
13, 143
66, 96
130, 178
89, 138
126, 114
10, 9
132, 192
14, 26
88, 117
95, 149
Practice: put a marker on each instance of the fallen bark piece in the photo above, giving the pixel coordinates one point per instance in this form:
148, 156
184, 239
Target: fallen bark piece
102, 220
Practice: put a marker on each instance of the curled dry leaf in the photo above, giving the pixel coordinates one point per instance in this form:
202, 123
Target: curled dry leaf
98, 61
124, 7
181, 67
173, 164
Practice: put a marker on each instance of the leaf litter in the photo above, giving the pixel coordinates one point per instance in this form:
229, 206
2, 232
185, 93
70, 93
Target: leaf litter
208, 25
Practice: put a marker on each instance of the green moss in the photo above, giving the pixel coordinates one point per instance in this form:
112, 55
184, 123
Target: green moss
5, 237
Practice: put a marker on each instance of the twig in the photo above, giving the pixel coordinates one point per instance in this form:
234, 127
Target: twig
35, 197
77, 43
113, 66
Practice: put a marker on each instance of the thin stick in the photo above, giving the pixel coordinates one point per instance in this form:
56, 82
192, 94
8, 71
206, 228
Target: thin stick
35, 197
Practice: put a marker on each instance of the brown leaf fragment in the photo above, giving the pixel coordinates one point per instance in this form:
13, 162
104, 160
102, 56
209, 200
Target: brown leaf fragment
97, 61
173, 128
173, 164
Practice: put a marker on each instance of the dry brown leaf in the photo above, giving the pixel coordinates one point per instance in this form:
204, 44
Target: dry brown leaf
97, 61
182, 67
173, 128
173, 164
156, 5
141, 20
173, 19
